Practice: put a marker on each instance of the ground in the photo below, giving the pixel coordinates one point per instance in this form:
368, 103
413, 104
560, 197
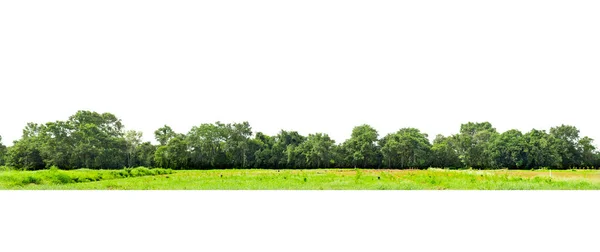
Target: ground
313, 179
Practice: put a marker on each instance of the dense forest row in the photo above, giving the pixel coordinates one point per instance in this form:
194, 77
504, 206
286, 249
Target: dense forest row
99, 141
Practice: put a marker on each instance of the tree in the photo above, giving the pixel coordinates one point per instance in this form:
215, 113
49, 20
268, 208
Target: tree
317, 151
284, 152
174, 155
25, 154
509, 150
236, 143
177, 153
56, 144
362, 147
473, 143
145, 154
207, 145
567, 145
2, 152
588, 152
443, 153
406, 148
99, 140
133, 139
263, 151
164, 134
541, 150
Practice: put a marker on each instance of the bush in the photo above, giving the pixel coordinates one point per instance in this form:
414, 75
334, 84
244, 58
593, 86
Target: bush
31, 180
141, 171
62, 178
5, 168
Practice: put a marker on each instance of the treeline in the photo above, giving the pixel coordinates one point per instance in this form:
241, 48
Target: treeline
99, 141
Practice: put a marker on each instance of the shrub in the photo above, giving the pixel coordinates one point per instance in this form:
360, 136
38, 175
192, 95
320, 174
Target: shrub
62, 178
31, 180
141, 171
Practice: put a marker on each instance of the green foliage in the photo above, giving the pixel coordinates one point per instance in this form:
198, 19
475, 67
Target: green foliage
407, 148
317, 151
542, 150
361, 149
509, 150
444, 154
99, 141
331, 179
55, 176
2, 153
473, 144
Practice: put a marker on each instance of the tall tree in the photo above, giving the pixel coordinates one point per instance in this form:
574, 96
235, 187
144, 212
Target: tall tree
263, 151
99, 141
25, 153
56, 144
237, 143
542, 150
317, 151
407, 148
164, 134
443, 153
133, 139
362, 147
588, 152
568, 145
509, 150
473, 143
207, 145
145, 154
174, 155
284, 149
2, 152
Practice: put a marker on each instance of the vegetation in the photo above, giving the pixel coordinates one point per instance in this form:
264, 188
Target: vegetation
54, 176
309, 179
99, 141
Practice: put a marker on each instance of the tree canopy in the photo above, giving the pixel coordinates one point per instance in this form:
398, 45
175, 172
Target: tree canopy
99, 141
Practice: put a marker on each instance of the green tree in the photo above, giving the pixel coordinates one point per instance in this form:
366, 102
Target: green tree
263, 151
145, 154
541, 150
99, 140
284, 152
588, 152
2, 152
406, 148
207, 145
361, 147
25, 154
317, 151
443, 153
164, 134
174, 155
473, 144
567, 145
509, 150
56, 144
133, 139
237, 143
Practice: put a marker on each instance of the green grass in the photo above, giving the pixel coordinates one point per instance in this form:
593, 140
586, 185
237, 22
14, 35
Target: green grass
11, 179
321, 179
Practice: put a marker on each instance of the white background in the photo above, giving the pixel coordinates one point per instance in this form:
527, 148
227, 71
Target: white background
299, 221
312, 66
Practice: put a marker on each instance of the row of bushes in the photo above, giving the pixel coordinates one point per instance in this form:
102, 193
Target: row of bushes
56, 176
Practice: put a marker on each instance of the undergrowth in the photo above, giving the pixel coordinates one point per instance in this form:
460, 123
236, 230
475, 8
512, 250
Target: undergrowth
10, 178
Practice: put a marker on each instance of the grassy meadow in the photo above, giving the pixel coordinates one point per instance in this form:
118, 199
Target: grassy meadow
314, 179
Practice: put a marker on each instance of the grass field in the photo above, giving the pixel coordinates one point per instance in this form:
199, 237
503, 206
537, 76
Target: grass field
321, 179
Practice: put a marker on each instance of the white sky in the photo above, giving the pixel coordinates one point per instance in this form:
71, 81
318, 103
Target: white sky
311, 65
